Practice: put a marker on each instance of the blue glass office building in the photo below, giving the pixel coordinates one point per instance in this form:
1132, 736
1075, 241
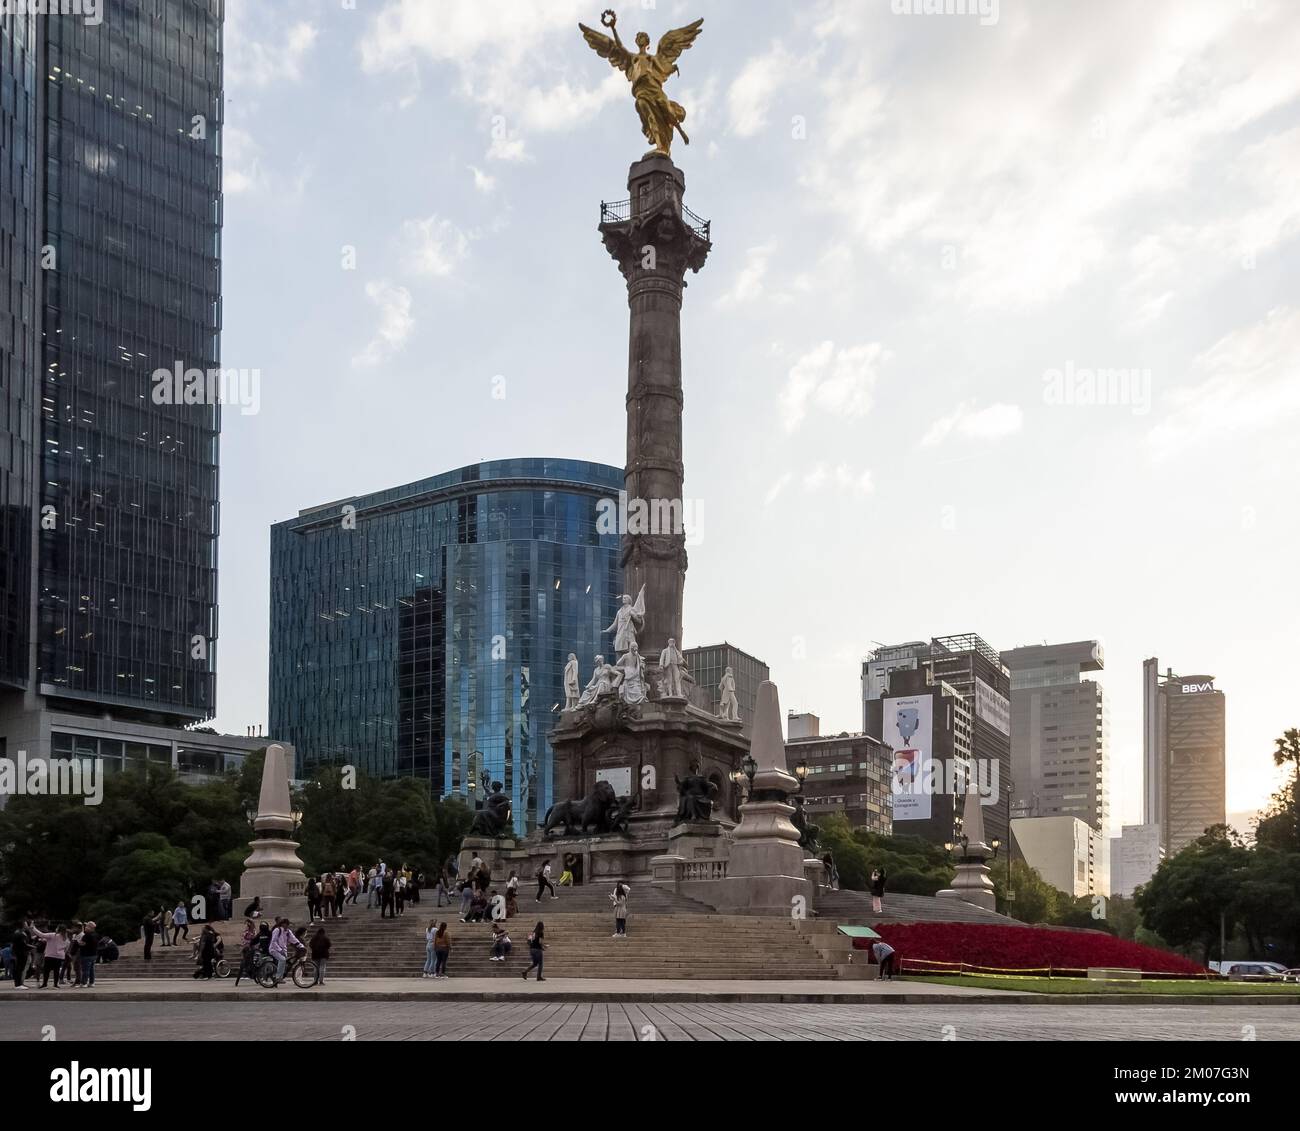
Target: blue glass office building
422, 631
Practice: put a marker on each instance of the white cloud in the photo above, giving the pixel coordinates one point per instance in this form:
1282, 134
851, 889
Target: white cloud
782, 482
991, 423
749, 280
749, 98
484, 182
506, 146
840, 475
1043, 165
396, 323
838, 381
520, 60
1247, 381
273, 56
241, 166
434, 246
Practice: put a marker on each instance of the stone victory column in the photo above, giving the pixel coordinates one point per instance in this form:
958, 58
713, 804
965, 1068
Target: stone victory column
633, 725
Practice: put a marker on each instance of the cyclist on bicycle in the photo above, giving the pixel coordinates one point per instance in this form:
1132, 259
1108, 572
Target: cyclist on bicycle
282, 939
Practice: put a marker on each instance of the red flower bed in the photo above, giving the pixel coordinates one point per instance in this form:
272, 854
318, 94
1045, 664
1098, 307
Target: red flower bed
927, 946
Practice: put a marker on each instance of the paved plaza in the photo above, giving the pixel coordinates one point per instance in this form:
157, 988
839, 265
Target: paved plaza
433, 1020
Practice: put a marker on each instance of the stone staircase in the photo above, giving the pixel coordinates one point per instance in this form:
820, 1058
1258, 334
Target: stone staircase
669, 936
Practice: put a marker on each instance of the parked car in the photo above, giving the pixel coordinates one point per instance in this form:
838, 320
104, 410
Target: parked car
1271, 971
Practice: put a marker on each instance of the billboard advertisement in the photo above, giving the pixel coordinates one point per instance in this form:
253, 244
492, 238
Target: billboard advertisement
993, 708
907, 729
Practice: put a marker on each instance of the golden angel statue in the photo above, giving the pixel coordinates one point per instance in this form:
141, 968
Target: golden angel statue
647, 73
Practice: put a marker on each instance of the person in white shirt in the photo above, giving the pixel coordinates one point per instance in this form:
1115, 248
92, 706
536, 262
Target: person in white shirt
282, 938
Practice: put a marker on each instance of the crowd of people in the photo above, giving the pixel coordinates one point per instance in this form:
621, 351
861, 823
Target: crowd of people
68, 952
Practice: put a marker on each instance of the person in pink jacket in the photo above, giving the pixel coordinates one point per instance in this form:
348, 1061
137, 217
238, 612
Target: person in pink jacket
56, 947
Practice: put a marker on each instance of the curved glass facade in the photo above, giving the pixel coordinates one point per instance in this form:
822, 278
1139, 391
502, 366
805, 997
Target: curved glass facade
422, 631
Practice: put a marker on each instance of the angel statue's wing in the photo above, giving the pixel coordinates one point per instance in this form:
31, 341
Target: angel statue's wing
674, 43
638, 609
619, 57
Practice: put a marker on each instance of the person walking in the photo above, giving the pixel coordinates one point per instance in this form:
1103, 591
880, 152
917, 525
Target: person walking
340, 892
619, 899
165, 919
180, 921
320, 954
148, 928
327, 896
386, 896
440, 891
247, 951
877, 889
884, 959
544, 882
227, 902
536, 950
466, 898
512, 896
566, 876
441, 949
313, 898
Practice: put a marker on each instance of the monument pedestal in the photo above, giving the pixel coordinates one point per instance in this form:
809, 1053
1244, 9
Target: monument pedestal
495, 852
273, 873
647, 747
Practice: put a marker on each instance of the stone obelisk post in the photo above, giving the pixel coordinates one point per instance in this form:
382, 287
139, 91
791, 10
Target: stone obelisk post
273, 872
655, 240
972, 884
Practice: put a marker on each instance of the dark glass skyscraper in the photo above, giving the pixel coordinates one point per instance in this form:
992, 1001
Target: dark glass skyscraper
422, 631
116, 148
20, 245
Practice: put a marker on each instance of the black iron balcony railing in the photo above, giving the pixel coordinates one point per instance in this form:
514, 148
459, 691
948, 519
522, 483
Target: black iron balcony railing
621, 211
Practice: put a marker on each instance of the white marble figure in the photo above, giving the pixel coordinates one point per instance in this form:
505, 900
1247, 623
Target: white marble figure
672, 672
627, 622
631, 687
601, 682
728, 707
572, 688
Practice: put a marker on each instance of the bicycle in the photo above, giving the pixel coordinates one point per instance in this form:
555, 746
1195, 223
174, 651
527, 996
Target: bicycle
299, 967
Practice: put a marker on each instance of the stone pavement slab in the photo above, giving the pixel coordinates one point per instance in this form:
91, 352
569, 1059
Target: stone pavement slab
606, 990
433, 1019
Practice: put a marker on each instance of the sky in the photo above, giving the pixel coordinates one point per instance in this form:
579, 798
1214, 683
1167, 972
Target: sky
1000, 332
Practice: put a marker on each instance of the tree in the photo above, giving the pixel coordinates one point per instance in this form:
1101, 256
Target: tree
1036, 900
914, 866
1194, 895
